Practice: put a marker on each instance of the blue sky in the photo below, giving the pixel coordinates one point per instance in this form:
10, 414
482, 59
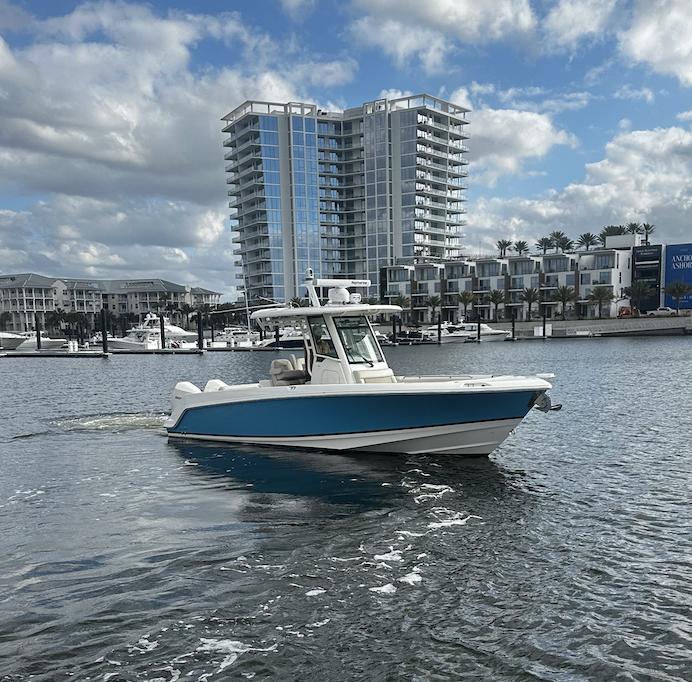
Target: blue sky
111, 162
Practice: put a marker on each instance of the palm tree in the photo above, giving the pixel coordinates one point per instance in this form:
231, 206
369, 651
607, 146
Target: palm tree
557, 237
466, 298
633, 228
185, 310
297, 302
172, 309
610, 231
5, 317
566, 244
55, 318
544, 243
649, 229
564, 295
600, 295
637, 292
521, 247
502, 246
432, 302
676, 290
530, 295
496, 297
404, 302
586, 240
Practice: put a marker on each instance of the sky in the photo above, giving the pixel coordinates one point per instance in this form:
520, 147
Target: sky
111, 157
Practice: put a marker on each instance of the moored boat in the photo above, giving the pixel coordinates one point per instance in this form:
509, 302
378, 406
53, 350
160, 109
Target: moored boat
342, 395
9, 341
47, 343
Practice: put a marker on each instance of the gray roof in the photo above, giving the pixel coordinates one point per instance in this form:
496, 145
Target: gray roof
26, 279
105, 286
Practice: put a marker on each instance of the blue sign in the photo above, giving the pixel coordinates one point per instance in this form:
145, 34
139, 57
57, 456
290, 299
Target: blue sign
679, 269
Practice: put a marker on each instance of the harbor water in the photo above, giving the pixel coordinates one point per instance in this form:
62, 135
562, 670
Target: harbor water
565, 555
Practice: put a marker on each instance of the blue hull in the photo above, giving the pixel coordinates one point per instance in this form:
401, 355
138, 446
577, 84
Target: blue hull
343, 415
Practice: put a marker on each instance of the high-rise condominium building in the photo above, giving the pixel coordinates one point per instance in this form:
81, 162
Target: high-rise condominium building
343, 193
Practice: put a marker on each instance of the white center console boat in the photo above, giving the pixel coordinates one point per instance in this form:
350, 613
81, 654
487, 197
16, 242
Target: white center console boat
343, 395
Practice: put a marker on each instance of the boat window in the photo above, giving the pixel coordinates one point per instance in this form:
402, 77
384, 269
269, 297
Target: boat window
322, 340
358, 339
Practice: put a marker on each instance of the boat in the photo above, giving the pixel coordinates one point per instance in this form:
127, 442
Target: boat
9, 341
342, 395
237, 337
147, 335
468, 331
289, 337
47, 343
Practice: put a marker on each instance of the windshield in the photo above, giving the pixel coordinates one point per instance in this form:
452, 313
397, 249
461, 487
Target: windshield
322, 340
358, 339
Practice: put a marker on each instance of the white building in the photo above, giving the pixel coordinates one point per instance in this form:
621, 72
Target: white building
343, 193
23, 295
581, 270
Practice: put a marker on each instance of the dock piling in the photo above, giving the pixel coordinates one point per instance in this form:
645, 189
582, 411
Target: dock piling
544, 322
37, 326
163, 331
104, 331
200, 336
478, 329
514, 319
439, 329
393, 328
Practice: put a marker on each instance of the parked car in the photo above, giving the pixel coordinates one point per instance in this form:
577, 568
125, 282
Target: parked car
663, 311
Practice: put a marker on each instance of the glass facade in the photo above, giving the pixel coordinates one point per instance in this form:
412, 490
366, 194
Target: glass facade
345, 194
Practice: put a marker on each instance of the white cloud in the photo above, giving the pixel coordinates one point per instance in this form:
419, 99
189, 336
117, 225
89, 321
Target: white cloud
466, 20
644, 176
327, 73
393, 93
398, 41
684, 116
659, 36
298, 9
503, 139
628, 92
429, 31
103, 115
569, 23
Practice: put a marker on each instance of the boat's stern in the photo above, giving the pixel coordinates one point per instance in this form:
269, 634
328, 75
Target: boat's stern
181, 395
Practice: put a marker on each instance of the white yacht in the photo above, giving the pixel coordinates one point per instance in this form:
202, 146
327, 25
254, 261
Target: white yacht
342, 395
464, 332
47, 343
238, 337
9, 341
147, 335
289, 337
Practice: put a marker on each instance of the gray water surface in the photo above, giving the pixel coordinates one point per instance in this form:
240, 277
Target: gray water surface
566, 555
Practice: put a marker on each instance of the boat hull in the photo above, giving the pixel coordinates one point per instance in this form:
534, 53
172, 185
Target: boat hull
465, 423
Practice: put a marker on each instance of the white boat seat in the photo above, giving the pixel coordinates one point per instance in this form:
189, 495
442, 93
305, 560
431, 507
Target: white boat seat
186, 387
283, 374
374, 376
215, 385
298, 363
